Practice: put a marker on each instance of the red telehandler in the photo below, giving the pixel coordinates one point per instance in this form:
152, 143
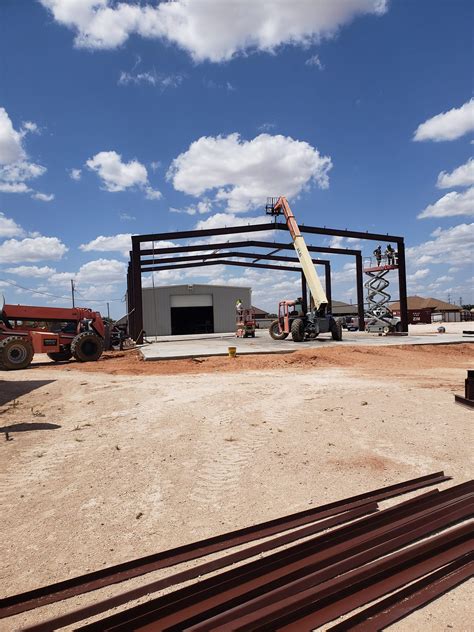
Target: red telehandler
61, 333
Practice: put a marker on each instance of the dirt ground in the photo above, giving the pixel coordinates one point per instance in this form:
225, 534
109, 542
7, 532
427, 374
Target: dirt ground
122, 458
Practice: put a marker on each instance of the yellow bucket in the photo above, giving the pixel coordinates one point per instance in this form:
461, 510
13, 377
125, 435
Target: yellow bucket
232, 351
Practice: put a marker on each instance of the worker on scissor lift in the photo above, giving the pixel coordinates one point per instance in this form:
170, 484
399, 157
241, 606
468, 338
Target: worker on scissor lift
239, 306
390, 254
378, 254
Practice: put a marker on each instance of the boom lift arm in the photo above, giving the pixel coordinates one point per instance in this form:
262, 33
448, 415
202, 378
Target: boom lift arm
281, 207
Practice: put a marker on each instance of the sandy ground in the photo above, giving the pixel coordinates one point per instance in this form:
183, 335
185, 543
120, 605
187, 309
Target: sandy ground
119, 459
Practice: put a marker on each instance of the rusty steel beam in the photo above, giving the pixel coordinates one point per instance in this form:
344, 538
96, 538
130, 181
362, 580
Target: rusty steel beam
120, 572
201, 569
178, 610
267, 598
405, 601
359, 587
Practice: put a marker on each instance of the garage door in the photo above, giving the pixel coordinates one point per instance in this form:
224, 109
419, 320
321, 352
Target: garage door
191, 300
191, 314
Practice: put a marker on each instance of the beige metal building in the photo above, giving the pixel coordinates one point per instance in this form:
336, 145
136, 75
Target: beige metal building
191, 309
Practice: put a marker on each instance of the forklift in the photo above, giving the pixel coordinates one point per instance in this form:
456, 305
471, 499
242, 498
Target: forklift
292, 318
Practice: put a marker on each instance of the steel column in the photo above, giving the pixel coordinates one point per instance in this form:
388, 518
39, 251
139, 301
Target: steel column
402, 285
327, 279
137, 292
360, 291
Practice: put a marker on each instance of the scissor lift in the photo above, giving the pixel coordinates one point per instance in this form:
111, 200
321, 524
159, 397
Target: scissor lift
380, 318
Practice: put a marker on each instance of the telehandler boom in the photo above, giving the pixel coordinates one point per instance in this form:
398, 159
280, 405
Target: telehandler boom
291, 318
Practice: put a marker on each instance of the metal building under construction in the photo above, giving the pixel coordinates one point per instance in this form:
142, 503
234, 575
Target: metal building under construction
191, 309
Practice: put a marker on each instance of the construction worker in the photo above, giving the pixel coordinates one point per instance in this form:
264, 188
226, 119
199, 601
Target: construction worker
239, 306
390, 254
378, 254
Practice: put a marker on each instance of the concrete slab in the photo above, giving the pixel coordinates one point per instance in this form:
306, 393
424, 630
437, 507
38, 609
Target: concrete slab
175, 347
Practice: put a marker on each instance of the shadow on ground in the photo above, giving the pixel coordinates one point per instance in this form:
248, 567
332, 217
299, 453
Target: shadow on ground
12, 389
27, 426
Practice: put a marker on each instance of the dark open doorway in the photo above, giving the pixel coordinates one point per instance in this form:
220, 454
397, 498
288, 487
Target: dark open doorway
192, 320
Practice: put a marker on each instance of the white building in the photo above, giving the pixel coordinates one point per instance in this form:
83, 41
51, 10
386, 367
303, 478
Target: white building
191, 309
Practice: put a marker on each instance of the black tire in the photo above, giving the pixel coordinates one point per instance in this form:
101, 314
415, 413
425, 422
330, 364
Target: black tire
87, 347
297, 330
61, 356
273, 330
15, 353
398, 327
336, 330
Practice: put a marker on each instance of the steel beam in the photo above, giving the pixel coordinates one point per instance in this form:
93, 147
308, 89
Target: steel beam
134, 568
225, 255
304, 292
251, 243
405, 601
249, 228
223, 262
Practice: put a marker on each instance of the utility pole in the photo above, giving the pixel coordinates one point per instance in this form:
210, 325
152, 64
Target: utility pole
72, 292
460, 301
108, 311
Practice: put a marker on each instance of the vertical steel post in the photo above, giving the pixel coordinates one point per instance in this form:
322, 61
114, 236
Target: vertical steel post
360, 292
327, 279
129, 298
402, 285
137, 291
304, 293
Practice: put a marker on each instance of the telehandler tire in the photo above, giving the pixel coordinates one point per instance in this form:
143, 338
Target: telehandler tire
297, 330
336, 330
15, 353
273, 330
61, 356
87, 347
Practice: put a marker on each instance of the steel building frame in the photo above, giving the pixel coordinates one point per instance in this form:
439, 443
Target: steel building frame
138, 264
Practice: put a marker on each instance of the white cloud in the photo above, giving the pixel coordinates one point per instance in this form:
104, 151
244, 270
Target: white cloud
444, 279
13, 187
152, 194
21, 171
102, 271
201, 208
15, 170
43, 197
315, 62
11, 149
9, 228
113, 243
206, 29
32, 271
75, 174
448, 125
151, 78
453, 246
29, 126
243, 173
117, 175
121, 242
32, 249
419, 274
126, 217
450, 205
463, 176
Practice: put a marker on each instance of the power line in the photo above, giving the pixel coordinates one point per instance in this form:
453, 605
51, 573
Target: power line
33, 291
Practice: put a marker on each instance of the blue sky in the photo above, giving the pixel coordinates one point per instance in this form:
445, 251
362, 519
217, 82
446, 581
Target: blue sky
123, 118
